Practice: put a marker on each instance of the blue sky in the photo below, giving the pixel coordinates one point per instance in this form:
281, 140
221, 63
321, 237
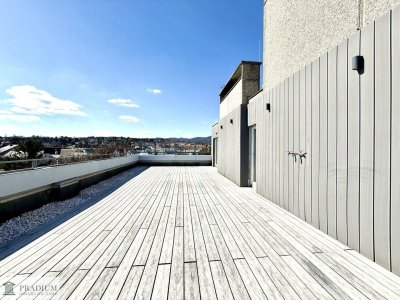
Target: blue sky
134, 68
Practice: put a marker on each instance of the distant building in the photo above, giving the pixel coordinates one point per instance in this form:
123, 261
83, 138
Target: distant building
8, 151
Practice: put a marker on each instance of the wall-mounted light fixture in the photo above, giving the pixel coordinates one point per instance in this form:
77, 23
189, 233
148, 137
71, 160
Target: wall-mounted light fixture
358, 64
268, 107
222, 127
231, 121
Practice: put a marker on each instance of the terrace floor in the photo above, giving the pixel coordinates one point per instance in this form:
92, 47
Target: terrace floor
188, 232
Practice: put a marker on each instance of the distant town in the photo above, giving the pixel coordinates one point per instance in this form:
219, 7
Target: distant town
35, 147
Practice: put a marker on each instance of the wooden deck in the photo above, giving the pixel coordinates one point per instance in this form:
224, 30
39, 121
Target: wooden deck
189, 233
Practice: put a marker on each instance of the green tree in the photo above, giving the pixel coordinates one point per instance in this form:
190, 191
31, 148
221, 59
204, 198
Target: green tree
31, 147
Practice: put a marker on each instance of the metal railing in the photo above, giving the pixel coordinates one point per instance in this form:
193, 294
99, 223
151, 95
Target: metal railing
29, 164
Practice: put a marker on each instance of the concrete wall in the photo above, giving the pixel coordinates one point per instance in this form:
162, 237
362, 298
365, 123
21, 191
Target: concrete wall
232, 100
298, 31
348, 124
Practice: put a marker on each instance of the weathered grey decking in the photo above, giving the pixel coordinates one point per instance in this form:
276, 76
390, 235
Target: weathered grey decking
187, 232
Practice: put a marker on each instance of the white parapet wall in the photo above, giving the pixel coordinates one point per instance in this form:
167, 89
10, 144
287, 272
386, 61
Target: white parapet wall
175, 159
26, 180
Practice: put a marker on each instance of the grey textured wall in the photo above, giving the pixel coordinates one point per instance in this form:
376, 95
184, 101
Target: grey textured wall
348, 124
298, 31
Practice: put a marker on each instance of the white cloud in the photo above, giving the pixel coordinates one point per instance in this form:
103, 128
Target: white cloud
154, 91
123, 102
131, 119
31, 101
19, 118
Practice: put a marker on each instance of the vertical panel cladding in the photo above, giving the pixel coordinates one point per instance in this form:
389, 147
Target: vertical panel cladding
382, 141
367, 92
222, 146
323, 143
282, 143
353, 132
279, 135
308, 161
270, 175
214, 135
276, 145
302, 146
273, 144
332, 143
341, 162
286, 145
296, 137
315, 143
263, 152
395, 167
291, 145
260, 143
233, 146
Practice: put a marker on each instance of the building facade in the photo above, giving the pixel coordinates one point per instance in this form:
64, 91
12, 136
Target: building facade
297, 32
321, 138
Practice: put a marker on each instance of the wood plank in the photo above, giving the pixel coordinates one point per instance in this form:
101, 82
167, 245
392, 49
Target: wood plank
314, 153
101, 284
116, 285
191, 281
317, 289
323, 143
286, 147
353, 137
235, 281
160, 290
367, 124
382, 142
206, 284
291, 144
252, 286
296, 141
150, 270
395, 159
341, 163
335, 284
332, 140
132, 282
308, 161
176, 286
67, 289
282, 151
281, 283
302, 142
220, 281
